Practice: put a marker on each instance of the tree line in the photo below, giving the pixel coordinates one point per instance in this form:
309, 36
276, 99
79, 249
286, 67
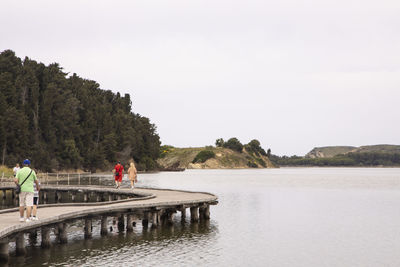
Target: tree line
362, 159
254, 146
63, 121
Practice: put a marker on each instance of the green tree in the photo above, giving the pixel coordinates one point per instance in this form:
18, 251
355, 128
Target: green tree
234, 144
67, 122
219, 142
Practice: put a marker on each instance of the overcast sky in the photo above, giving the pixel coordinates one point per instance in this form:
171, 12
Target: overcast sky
293, 74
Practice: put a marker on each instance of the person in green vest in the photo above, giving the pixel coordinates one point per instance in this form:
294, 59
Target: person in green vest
26, 195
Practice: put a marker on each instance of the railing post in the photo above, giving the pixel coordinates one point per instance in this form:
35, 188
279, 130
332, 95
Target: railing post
45, 198
68, 178
79, 179
57, 178
90, 179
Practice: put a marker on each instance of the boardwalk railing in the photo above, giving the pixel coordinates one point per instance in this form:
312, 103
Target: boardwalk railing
58, 178
66, 178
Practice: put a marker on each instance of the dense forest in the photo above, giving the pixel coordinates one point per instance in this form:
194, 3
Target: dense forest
362, 159
62, 121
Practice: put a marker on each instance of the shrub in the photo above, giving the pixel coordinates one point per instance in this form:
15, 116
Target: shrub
234, 144
203, 156
164, 150
251, 164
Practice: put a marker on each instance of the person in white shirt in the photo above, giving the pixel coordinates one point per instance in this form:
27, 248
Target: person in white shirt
16, 169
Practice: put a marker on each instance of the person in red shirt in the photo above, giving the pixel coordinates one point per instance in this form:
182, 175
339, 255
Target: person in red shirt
118, 174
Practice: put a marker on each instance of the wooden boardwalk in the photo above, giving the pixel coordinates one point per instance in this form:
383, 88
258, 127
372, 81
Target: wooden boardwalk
154, 206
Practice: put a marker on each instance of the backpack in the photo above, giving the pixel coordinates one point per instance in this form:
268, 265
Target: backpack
117, 171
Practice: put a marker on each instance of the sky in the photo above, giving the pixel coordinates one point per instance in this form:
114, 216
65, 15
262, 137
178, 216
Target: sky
293, 74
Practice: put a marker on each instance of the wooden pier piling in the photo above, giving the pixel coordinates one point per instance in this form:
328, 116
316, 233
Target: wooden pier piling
62, 233
129, 222
4, 247
182, 209
20, 244
88, 228
121, 223
103, 227
154, 220
45, 232
145, 220
194, 214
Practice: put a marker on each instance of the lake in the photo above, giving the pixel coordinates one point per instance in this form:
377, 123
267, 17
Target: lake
265, 217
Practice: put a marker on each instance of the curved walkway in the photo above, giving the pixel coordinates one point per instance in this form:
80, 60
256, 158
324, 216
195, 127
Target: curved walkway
163, 199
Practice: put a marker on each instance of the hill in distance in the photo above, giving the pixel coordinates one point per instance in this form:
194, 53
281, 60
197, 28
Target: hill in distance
331, 151
225, 158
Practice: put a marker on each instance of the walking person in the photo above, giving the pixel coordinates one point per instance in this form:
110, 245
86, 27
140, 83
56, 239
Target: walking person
16, 169
35, 201
25, 178
118, 174
132, 172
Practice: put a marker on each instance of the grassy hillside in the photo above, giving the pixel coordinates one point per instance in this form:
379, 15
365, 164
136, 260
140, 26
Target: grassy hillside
224, 159
378, 148
364, 156
331, 151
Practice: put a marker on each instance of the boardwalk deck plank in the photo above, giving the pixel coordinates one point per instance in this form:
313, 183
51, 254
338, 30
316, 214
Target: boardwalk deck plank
9, 222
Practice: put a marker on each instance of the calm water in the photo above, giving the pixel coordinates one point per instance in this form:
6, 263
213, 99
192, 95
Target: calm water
279, 217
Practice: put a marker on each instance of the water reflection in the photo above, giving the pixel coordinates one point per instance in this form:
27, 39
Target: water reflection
137, 246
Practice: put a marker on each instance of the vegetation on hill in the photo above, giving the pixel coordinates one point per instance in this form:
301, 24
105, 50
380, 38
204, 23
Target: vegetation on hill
233, 143
6, 172
328, 151
230, 154
355, 159
331, 151
203, 156
62, 121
